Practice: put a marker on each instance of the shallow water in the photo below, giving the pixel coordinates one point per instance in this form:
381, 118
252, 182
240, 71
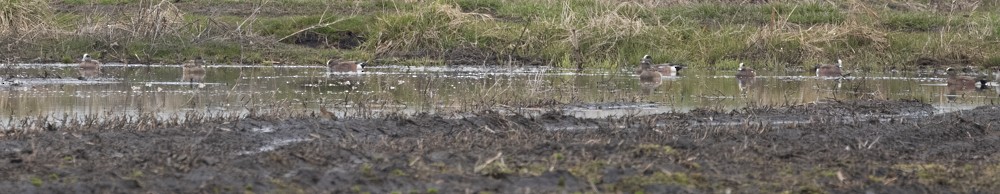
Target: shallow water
32, 90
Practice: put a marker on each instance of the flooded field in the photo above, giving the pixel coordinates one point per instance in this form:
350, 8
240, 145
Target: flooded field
396, 129
32, 90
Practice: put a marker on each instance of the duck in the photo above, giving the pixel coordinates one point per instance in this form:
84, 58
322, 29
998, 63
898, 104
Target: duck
193, 70
343, 66
963, 82
745, 72
666, 69
89, 68
893, 70
647, 74
829, 70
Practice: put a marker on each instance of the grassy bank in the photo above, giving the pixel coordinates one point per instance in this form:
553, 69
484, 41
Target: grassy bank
577, 33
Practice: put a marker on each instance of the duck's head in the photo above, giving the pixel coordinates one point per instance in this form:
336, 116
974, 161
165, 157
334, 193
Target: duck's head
741, 67
86, 56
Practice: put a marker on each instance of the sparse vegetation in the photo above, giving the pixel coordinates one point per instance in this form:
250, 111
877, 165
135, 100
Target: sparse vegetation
589, 34
407, 153
24, 19
36, 181
483, 149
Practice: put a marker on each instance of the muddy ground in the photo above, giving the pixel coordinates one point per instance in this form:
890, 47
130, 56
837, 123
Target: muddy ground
835, 147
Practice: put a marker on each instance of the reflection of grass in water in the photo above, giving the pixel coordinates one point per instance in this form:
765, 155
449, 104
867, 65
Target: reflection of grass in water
148, 118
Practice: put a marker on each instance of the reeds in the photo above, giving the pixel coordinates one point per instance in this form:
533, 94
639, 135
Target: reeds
141, 120
146, 20
582, 34
24, 18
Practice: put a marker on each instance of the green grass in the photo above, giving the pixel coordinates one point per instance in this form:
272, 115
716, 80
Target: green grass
112, 2
916, 22
594, 34
36, 181
636, 183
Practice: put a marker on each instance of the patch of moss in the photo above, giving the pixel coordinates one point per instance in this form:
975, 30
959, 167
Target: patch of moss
497, 168
367, 170
655, 149
591, 171
636, 183
398, 172
928, 173
532, 169
286, 187
36, 181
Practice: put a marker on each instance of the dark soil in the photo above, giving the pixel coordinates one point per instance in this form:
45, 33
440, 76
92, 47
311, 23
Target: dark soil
837, 147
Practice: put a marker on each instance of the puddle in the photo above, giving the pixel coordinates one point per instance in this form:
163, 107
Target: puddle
272, 145
32, 90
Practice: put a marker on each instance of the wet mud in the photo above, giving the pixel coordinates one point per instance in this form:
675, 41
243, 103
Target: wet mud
838, 147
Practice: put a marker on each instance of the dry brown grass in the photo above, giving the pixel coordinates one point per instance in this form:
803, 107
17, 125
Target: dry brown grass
904, 5
813, 39
20, 18
597, 30
148, 21
432, 27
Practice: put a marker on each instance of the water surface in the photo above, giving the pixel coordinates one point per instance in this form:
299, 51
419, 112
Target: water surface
32, 90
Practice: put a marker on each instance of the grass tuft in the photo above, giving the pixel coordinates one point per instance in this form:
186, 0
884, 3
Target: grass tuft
914, 22
20, 18
580, 34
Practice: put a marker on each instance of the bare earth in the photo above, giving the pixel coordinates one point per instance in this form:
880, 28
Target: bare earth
837, 147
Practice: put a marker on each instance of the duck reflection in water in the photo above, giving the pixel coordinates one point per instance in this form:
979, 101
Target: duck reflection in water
649, 87
960, 85
193, 70
89, 68
649, 78
745, 78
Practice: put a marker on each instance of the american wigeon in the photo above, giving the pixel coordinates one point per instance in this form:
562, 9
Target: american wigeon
193, 70
830, 70
745, 72
962, 82
665, 69
893, 70
647, 74
89, 68
343, 66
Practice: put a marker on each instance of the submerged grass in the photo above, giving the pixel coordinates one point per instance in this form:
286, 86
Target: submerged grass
580, 34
